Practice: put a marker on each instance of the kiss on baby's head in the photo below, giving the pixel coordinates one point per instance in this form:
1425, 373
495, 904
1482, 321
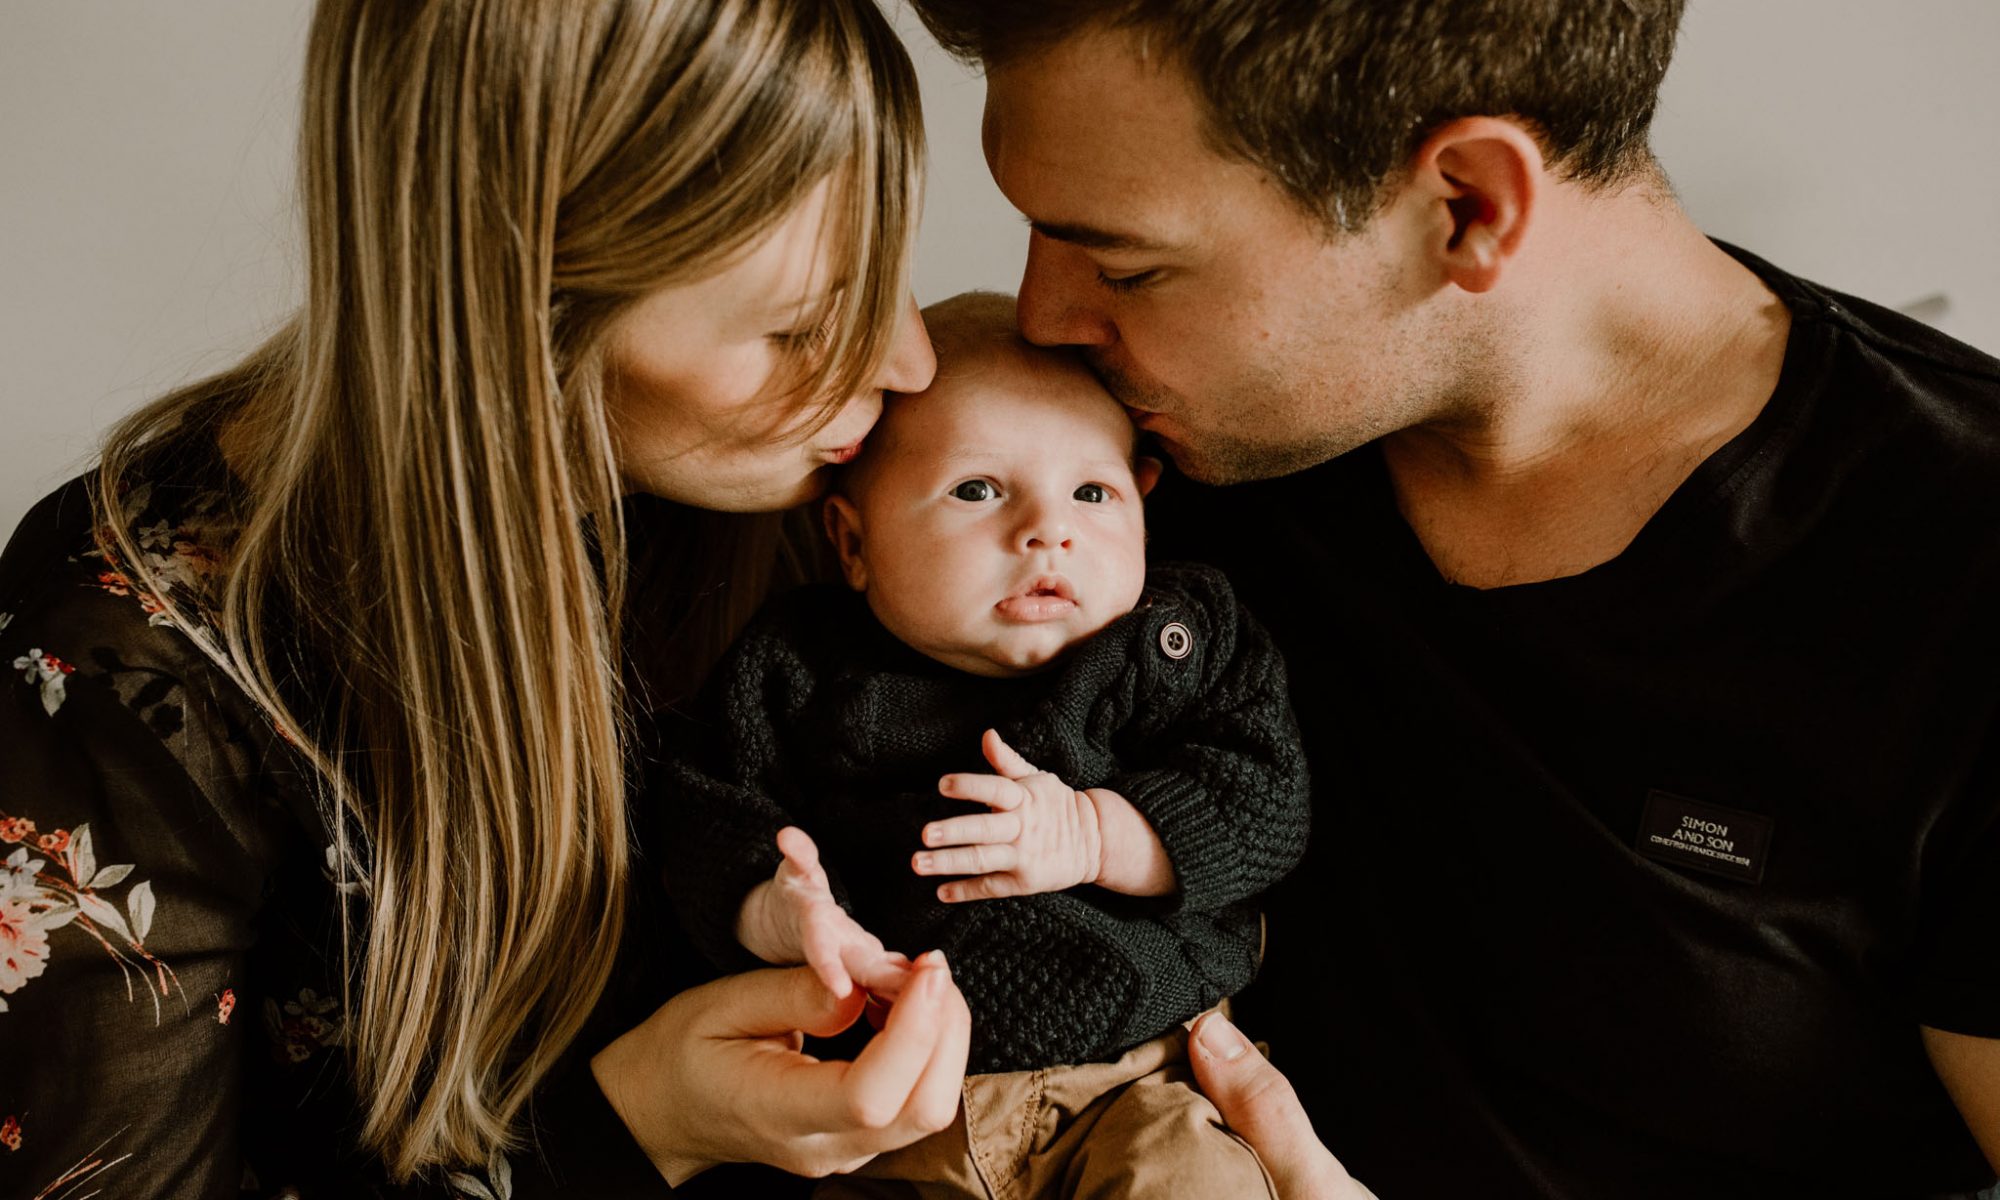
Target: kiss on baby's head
995, 520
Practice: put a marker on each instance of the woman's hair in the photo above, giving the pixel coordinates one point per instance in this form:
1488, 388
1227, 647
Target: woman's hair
427, 588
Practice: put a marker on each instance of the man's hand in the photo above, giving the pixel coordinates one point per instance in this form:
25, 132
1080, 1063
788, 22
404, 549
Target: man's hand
792, 917
1042, 835
1258, 1103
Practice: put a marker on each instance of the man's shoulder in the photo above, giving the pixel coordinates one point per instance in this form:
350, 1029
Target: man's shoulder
1903, 383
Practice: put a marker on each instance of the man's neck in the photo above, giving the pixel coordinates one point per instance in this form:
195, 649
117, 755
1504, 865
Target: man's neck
1636, 349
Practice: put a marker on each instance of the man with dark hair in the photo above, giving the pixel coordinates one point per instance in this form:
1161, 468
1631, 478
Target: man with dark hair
1638, 597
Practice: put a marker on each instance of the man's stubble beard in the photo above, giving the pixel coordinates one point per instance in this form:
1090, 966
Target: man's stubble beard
1221, 458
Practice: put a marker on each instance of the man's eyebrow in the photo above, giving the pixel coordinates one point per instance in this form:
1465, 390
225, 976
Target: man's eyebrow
1090, 237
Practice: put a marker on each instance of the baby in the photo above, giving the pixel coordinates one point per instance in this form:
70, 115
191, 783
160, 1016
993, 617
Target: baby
1120, 734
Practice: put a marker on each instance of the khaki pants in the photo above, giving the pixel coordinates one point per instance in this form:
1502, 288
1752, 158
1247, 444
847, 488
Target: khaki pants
1131, 1128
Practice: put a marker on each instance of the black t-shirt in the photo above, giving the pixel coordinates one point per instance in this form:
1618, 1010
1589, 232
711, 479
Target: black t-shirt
1639, 882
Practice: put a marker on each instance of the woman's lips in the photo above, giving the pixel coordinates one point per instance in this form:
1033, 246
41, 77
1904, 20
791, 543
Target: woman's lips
842, 454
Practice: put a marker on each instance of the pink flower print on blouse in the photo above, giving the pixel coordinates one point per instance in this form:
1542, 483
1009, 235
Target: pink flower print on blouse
24, 944
224, 1005
10, 1133
40, 896
49, 672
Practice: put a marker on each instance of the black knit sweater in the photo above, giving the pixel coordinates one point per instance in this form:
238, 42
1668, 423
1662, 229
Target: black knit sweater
819, 717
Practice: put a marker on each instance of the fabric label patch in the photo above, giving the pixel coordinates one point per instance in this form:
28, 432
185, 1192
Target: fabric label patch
1704, 837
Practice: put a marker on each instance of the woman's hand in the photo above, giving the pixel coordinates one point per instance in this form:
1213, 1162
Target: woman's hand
716, 1075
1258, 1102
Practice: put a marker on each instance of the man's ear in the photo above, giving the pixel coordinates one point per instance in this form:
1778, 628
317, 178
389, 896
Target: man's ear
1146, 473
843, 529
1481, 175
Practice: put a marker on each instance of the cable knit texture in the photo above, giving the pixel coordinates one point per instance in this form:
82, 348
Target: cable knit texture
819, 718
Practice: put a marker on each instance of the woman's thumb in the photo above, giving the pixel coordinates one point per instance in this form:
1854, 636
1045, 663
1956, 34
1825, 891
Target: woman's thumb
773, 1002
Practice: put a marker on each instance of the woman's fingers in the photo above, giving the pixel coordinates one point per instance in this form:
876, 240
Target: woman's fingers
772, 1003
991, 790
973, 829
876, 1086
1003, 757
966, 860
934, 1102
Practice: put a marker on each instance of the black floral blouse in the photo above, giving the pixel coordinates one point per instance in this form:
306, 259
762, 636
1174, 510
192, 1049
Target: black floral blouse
170, 1013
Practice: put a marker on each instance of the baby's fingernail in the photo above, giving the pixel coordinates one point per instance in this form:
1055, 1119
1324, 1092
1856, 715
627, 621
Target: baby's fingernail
1221, 1039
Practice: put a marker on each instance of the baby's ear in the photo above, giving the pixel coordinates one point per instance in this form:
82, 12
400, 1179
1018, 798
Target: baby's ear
843, 529
1146, 472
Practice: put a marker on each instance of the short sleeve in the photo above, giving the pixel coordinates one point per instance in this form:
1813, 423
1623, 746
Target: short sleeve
1955, 971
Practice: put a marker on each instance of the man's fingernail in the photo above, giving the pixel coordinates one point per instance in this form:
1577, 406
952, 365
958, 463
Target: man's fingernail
1221, 1039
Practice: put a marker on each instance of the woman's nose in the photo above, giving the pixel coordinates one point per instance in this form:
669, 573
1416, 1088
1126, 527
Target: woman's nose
911, 363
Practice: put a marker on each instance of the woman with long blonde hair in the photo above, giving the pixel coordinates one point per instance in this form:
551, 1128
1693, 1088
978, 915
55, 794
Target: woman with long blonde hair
319, 830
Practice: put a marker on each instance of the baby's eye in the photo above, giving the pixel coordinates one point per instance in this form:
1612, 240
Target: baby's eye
1092, 493
975, 490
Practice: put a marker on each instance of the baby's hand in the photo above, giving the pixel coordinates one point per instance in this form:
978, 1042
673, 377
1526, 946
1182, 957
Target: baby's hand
1042, 835
793, 917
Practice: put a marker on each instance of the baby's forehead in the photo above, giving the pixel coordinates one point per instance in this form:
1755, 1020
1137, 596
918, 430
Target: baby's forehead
1004, 421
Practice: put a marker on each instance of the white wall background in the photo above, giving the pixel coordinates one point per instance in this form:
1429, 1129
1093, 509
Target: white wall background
145, 176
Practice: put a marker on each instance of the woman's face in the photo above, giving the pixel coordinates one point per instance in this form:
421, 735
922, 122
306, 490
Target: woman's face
697, 377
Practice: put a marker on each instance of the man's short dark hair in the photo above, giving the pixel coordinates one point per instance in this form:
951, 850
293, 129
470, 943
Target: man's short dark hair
1332, 97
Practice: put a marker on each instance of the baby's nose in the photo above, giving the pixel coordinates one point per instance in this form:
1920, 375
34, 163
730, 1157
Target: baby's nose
1046, 530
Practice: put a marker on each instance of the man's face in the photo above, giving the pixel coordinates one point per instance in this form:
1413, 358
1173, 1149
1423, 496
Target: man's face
1240, 333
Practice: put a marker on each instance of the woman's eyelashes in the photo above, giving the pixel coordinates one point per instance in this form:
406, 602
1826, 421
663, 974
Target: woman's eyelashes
805, 341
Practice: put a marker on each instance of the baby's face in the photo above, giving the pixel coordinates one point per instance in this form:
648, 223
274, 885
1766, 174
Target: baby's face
999, 521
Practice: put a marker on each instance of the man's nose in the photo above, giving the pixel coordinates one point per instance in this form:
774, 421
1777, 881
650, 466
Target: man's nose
1055, 305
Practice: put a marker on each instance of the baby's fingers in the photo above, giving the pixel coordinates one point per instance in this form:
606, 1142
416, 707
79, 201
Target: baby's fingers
823, 939
982, 887
801, 856
1005, 758
990, 790
966, 860
978, 828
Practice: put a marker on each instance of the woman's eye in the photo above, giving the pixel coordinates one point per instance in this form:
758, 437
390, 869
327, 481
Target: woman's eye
975, 490
1092, 493
805, 340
